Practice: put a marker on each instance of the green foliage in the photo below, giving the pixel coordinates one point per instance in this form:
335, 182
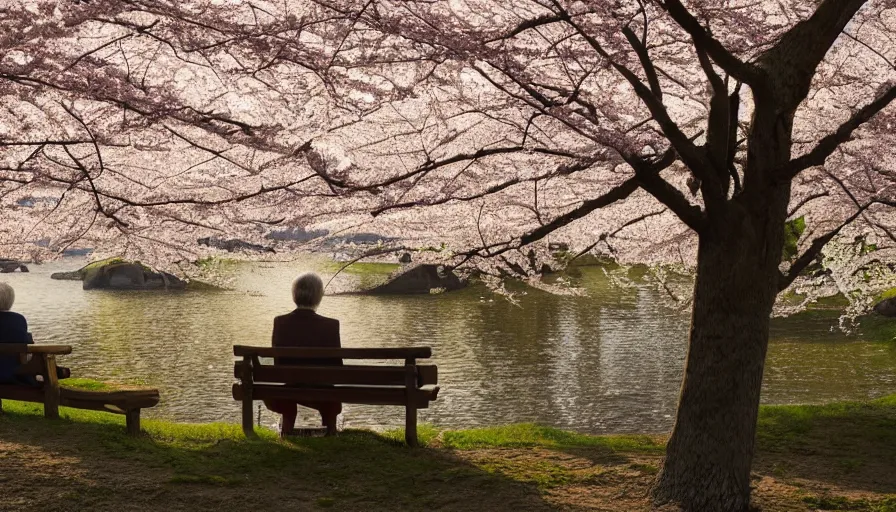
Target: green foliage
864, 248
793, 230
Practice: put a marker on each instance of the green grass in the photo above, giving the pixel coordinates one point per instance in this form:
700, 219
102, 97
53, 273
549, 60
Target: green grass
520, 466
789, 425
95, 385
364, 268
528, 435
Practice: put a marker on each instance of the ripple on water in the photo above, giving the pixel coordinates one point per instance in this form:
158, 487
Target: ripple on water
611, 362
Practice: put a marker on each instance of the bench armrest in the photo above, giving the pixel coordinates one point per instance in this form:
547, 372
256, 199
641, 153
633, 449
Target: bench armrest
21, 348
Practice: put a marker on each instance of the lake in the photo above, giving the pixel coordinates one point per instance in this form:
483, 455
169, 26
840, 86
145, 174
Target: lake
609, 362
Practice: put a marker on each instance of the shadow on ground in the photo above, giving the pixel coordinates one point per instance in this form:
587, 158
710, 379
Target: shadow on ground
832, 457
68, 465
845, 448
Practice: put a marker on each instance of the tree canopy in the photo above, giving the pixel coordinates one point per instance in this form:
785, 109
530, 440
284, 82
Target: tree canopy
608, 125
739, 138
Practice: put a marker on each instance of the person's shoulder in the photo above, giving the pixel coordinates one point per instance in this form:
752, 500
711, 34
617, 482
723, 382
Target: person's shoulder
285, 316
328, 320
12, 316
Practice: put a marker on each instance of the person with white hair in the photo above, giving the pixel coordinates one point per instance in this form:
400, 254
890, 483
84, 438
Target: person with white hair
304, 328
13, 329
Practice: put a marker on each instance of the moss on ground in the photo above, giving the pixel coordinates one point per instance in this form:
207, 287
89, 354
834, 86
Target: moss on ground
829, 457
87, 385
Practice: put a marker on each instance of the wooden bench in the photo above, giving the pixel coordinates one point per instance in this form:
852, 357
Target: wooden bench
356, 384
43, 363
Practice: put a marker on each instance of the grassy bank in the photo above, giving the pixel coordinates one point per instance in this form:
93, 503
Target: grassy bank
833, 457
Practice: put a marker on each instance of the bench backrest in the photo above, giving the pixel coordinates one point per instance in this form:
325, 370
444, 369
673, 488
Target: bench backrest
349, 374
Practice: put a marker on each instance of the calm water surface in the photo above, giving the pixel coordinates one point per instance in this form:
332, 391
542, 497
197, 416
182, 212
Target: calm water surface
609, 362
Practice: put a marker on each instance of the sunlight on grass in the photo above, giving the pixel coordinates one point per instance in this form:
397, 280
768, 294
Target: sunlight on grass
527, 435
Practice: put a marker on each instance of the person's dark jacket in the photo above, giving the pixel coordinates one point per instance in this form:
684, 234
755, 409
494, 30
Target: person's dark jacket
13, 329
303, 328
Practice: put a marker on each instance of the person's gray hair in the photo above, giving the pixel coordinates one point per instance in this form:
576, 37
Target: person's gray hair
307, 291
7, 297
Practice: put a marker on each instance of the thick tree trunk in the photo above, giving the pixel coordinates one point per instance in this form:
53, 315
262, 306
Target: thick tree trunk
710, 452
711, 449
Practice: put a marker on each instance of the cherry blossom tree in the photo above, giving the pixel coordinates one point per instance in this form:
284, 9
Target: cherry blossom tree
731, 119
705, 132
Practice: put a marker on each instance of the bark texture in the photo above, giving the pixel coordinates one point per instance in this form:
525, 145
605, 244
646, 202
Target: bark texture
711, 449
710, 452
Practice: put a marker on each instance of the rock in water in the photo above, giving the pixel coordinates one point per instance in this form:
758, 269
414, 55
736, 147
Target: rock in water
405, 258
232, 245
886, 307
124, 275
7, 266
420, 279
75, 275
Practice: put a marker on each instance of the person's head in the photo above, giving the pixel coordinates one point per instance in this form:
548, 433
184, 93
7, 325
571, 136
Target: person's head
7, 297
307, 291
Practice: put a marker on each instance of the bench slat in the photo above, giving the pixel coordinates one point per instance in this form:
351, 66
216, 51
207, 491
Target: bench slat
335, 353
21, 348
345, 394
21, 393
350, 374
99, 400
81, 399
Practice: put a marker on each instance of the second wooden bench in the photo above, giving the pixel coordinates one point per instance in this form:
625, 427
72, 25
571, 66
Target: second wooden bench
128, 402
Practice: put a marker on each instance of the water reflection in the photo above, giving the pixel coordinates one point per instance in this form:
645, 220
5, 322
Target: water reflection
609, 362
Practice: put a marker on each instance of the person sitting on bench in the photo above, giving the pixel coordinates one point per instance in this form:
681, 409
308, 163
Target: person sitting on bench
14, 330
304, 328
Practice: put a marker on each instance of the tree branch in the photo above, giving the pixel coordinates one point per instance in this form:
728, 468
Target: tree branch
830, 143
806, 259
692, 156
745, 72
617, 193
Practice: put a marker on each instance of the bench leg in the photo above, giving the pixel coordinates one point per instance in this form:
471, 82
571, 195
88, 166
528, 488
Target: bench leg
132, 418
51, 388
410, 426
248, 425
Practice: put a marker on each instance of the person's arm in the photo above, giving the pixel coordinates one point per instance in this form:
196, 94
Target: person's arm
25, 336
275, 338
337, 342
29, 339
